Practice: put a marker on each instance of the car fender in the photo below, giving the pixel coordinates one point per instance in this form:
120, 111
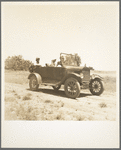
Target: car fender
39, 78
72, 75
95, 76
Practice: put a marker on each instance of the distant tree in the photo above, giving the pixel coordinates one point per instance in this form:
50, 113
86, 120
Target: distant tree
17, 63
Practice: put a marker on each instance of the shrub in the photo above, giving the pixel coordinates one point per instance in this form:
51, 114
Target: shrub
47, 101
18, 96
26, 113
58, 117
102, 105
27, 97
62, 104
80, 117
13, 91
17, 63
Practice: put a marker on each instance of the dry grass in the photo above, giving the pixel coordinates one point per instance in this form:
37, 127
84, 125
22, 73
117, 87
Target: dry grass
80, 118
53, 110
109, 79
62, 104
13, 91
18, 77
21, 104
47, 101
19, 111
17, 96
25, 113
110, 84
27, 97
58, 117
102, 105
9, 99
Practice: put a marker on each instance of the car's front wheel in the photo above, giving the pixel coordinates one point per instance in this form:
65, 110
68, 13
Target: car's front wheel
96, 87
33, 83
72, 88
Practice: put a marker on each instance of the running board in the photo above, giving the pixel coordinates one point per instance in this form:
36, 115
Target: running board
51, 84
48, 84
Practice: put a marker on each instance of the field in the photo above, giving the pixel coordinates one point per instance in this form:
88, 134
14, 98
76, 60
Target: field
45, 104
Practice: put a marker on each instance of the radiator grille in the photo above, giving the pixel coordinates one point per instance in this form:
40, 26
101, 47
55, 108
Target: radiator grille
86, 76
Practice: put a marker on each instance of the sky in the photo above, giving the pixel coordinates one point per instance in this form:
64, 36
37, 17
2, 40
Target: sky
45, 29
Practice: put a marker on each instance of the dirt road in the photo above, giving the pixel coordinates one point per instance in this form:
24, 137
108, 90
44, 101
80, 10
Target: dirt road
47, 104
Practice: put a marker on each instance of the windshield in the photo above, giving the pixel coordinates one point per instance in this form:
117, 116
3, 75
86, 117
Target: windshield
68, 59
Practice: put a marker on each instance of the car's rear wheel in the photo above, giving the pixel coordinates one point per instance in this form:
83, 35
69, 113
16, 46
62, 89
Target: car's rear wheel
56, 88
33, 83
96, 87
72, 88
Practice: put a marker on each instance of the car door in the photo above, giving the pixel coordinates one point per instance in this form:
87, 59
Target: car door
51, 74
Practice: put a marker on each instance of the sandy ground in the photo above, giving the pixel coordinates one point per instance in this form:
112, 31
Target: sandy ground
47, 104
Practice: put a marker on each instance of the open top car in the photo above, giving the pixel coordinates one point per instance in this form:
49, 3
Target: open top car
69, 74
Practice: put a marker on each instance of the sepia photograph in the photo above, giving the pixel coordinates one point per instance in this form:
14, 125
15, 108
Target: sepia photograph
60, 65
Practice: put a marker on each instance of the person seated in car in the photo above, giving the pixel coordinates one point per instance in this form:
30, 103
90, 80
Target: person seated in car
37, 62
52, 63
61, 61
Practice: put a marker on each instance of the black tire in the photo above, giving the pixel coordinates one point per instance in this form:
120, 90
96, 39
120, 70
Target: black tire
56, 88
72, 88
96, 87
33, 83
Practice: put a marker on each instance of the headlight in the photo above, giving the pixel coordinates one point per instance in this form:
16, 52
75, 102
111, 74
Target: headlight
81, 75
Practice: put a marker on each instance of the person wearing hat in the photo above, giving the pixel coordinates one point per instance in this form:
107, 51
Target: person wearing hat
60, 63
37, 62
53, 62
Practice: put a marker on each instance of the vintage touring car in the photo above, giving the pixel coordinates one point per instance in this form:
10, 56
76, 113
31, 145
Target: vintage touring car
72, 76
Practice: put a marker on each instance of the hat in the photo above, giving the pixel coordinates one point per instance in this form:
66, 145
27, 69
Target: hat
53, 60
37, 59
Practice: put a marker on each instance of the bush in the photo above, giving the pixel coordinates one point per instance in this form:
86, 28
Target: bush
27, 97
102, 105
25, 113
17, 63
